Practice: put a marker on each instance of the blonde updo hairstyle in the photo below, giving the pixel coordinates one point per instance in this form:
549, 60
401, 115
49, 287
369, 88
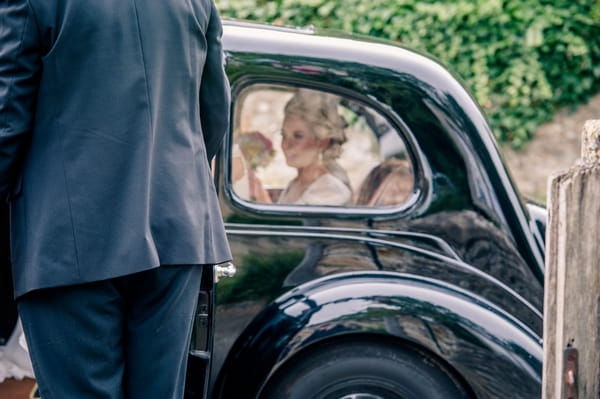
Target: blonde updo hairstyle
320, 111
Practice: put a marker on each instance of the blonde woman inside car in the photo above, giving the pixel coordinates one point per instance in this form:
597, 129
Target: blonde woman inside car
312, 139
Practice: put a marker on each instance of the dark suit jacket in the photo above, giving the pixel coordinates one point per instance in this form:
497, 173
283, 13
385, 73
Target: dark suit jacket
109, 113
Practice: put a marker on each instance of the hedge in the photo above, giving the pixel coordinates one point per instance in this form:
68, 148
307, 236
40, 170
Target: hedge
521, 59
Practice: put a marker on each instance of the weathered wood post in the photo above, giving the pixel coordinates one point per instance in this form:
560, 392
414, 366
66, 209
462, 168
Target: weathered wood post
572, 277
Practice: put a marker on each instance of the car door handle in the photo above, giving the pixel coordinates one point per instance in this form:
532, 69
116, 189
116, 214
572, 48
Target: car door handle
224, 270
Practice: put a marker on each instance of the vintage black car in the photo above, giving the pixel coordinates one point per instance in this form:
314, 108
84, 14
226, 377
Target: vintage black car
435, 292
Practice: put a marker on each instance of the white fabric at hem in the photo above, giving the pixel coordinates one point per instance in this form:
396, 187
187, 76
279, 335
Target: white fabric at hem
14, 357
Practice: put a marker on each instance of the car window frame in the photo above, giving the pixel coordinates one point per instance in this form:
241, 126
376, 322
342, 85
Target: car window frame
422, 175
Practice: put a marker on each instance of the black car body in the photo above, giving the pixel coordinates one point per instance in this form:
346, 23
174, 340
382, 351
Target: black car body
449, 279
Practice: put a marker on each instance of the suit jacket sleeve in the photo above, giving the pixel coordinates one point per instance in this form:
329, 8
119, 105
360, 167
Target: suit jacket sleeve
214, 89
19, 74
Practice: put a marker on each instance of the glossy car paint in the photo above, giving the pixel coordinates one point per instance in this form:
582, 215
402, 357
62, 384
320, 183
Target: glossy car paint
450, 323
463, 244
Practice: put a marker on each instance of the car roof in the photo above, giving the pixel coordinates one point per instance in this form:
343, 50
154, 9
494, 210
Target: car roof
241, 36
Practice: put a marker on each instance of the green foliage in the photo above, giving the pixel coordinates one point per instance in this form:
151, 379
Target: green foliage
521, 59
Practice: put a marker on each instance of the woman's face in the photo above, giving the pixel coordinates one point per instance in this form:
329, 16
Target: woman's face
299, 143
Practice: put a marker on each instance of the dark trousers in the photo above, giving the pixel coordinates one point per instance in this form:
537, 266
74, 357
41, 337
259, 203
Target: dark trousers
122, 338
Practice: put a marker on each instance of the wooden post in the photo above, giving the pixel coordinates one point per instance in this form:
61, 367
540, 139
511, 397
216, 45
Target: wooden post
572, 277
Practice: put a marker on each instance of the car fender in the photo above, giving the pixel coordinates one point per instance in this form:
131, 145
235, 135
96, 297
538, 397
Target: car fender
495, 354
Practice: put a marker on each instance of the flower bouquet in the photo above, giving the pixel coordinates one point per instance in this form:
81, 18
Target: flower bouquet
256, 148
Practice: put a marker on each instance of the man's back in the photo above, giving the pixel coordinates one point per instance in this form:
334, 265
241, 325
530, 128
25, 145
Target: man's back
109, 113
116, 177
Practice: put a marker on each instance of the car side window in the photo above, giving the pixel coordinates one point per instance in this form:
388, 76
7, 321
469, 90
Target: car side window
300, 146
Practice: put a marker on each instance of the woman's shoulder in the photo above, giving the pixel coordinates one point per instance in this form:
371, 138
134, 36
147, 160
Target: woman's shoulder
330, 180
327, 190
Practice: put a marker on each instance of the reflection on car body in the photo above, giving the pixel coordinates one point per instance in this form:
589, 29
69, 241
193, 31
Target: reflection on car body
436, 261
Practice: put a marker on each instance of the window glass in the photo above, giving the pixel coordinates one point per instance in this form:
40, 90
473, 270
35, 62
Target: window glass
309, 147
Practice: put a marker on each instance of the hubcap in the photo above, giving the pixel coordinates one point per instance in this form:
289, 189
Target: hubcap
361, 389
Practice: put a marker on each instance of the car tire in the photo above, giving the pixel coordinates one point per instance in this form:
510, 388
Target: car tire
365, 370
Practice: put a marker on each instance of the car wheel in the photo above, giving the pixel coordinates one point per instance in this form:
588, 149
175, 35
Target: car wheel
364, 371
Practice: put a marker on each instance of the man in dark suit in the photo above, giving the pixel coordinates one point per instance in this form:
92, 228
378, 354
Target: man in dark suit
109, 114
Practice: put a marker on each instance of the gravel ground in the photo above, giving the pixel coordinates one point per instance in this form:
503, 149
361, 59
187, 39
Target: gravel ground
556, 147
